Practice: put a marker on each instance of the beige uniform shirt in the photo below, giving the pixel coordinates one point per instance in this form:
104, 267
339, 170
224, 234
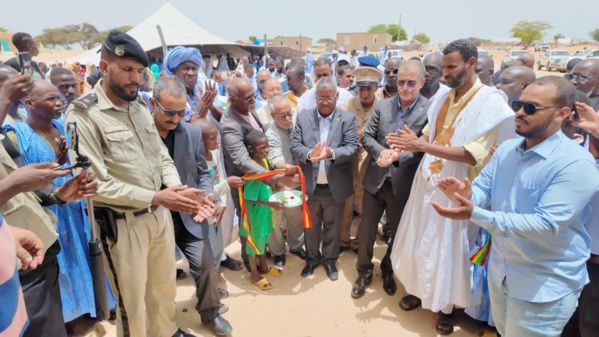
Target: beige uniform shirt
127, 155
24, 209
362, 116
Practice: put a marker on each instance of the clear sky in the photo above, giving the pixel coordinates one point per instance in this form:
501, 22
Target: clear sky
441, 20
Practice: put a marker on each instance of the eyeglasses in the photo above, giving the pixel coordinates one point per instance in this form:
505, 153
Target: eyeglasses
289, 79
388, 71
579, 78
170, 113
287, 115
248, 99
410, 84
329, 99
432, 70
530, 108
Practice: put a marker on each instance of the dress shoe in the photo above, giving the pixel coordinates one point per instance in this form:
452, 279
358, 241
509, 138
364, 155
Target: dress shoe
331, 271
343, 248
389, 284
279, 260
301, 253
221, 326
181, 333
359, 287
308, 270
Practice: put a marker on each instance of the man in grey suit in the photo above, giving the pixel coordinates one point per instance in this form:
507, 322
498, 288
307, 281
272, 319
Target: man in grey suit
324, 141
238, 120
389, 176
185, 146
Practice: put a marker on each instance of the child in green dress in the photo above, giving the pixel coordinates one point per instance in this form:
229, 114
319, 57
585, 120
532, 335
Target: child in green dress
260, 213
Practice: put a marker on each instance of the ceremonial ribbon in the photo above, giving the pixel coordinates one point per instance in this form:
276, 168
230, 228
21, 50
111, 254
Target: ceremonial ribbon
483, 253
245, 219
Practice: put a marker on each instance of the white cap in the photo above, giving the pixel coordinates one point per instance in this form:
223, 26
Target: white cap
309, 50
334, 51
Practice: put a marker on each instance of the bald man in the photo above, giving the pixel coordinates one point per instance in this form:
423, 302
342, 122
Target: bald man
484, 69
434, 69
513, 80
585, 77
527, 60
261, 96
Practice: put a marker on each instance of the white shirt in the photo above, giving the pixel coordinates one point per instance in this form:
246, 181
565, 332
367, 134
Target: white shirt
308, 99
324, 125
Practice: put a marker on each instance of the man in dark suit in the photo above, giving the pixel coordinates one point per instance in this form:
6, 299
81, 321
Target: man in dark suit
238, 120
185, 146
389, 176
324, 141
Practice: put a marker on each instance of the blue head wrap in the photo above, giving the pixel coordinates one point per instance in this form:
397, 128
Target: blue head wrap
180, 54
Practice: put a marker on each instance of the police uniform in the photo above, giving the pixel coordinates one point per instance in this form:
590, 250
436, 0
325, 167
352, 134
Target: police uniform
364, 76
131, 164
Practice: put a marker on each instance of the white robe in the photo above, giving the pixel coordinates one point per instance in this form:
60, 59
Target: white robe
430, 254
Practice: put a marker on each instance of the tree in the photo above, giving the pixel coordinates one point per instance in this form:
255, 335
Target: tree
595, 35
85, 34
105, 33
529, 31
397, 33
252, 38
557, 37
328, 42
478, 41
422, 38
3, 30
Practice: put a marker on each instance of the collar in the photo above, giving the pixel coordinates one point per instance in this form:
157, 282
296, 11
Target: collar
104, 103
546, 147
477, 85
400, 109
282, 131
329, 117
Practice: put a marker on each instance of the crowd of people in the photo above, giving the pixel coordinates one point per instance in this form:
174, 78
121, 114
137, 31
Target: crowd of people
484, 183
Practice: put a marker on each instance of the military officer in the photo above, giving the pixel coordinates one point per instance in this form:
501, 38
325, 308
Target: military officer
118, 136
367, 82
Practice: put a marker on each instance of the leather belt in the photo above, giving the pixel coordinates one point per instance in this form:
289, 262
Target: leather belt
118, 215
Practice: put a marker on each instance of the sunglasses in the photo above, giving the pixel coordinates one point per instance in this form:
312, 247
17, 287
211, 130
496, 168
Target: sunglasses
170, 113
388, 71
410, 84
579, 78
530, 108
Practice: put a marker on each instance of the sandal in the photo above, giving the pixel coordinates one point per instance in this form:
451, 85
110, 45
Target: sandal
263, 284
274, 272
222, 294
232, 264
411, 302
444, 325
222, 309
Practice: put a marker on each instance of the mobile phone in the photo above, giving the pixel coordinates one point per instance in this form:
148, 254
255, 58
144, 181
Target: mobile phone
25, 62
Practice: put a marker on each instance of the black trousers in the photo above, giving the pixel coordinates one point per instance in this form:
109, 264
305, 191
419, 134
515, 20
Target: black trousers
585, 321
326, 218
42, 297
201, 266
373, 206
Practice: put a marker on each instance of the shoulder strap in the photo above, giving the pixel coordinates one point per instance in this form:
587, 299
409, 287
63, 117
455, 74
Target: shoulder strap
86, 101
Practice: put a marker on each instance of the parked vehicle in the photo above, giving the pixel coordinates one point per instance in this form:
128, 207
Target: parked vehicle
513, 55
482, 52
554, 59
542, 47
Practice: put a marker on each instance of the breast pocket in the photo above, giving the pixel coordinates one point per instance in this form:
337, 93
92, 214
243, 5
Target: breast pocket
122, 146
153, 144
528, 198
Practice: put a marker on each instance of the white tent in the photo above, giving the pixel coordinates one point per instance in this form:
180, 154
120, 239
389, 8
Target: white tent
177, 29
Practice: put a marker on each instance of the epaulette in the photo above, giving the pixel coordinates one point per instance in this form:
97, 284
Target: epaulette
85, 101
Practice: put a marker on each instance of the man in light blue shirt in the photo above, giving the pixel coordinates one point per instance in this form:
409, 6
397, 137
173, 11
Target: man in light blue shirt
533, 197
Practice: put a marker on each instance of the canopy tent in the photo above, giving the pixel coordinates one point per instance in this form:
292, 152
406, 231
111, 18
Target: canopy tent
177, 29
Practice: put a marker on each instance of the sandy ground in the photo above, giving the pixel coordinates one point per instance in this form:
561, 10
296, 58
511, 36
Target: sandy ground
309, 307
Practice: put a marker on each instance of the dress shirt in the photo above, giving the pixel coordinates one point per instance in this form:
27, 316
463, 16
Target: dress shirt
324, 124
403, 114
279, 141
539, 201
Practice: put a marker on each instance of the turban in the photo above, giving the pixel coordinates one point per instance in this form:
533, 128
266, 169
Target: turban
180, 54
